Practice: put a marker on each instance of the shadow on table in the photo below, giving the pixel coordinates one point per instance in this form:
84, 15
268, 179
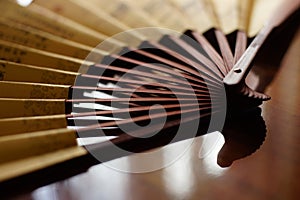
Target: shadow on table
244, 133
269, 58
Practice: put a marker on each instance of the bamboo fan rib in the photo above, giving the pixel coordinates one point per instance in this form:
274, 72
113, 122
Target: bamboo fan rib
51, 94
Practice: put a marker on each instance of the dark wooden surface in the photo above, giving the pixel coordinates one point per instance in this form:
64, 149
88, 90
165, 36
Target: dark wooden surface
271, 172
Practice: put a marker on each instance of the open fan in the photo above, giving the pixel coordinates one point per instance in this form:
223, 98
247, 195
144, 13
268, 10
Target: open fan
141, 87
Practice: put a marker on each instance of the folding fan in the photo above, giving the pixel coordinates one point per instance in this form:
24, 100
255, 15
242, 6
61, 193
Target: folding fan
140, 86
